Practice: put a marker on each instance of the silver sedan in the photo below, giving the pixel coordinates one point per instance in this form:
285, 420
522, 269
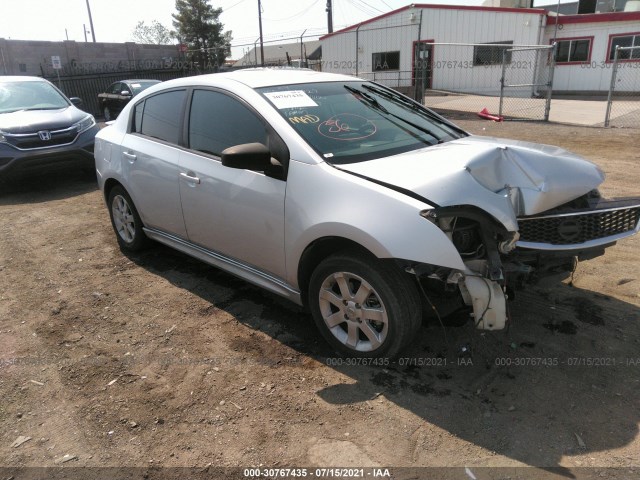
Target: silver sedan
349, 198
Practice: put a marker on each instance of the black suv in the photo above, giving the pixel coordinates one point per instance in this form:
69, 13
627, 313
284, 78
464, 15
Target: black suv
40, 125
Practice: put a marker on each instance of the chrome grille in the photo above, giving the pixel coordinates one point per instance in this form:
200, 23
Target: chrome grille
572, 229
31, 141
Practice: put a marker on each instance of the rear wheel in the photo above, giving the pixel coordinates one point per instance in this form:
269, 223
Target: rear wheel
126, 221
364, 307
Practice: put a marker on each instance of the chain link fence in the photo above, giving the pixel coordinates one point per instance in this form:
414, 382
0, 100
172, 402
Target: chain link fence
509, 81
512, 81
623, 102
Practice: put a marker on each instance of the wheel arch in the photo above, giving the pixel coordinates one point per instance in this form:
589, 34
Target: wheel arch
317, 251
108, 186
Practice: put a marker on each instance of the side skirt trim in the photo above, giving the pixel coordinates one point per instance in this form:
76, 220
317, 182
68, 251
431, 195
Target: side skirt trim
230, 265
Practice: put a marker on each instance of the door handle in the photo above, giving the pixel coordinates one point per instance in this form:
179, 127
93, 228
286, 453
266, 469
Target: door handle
130, 156
190, 177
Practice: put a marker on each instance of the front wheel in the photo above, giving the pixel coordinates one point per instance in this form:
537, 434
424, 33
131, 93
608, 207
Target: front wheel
364, 307
126, 221
107, 114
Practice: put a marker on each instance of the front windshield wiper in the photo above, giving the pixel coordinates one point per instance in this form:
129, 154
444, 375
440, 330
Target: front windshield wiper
371, 100
393, 96
31, 109
42, 108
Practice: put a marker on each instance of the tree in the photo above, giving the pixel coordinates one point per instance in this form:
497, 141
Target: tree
155, 33
198, 25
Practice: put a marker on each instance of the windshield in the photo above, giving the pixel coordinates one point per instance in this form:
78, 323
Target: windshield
348, 122
17, 96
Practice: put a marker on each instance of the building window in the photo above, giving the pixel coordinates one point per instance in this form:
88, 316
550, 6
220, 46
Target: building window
491, 54
625, 41
575, 50
22, 67
386, 61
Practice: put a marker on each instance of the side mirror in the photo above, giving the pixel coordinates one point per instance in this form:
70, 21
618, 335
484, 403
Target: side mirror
248, 156
126, 93
76, 101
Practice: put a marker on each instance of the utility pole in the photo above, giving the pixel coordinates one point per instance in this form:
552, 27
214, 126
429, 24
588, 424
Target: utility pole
84, 29
260, 23
329, 17
93, 34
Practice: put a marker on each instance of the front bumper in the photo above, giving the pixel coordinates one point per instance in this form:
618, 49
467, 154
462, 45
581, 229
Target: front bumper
80, 150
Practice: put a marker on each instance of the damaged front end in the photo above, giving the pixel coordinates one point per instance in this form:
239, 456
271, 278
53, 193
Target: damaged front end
498, 262
518, 214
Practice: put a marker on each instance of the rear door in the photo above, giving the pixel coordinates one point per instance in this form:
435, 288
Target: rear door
150, 156
237, 213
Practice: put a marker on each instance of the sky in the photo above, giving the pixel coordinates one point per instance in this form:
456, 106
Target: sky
115, 20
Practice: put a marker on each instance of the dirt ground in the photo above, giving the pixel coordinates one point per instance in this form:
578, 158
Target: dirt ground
157, 359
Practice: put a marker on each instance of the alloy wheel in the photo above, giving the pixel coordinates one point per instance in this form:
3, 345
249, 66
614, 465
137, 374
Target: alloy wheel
353, 312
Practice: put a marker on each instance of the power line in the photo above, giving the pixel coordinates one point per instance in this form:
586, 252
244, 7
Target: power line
370, 6
389, 6
300, 13
362, 8
234, 5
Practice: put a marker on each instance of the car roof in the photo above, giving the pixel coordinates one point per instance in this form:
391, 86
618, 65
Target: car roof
20, 78
263, 77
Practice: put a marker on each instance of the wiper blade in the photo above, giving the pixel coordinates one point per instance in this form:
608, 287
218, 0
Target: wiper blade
412, 105
31, 109
41, 108
371, 100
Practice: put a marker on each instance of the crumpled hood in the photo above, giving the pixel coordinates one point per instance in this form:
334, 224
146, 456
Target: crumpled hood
506, 178
30, 121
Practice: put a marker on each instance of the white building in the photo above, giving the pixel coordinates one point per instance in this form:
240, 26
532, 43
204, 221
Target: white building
586, 47
414, 46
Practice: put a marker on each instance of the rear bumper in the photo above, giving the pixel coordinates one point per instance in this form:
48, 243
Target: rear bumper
80, 151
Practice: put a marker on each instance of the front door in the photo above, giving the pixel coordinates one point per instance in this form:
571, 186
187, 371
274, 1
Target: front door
234, 212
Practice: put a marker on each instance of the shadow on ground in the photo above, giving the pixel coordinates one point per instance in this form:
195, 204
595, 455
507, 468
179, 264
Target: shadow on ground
562, 380
46, 184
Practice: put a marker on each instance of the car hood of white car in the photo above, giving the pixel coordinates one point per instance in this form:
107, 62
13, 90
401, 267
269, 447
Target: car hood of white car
534, 177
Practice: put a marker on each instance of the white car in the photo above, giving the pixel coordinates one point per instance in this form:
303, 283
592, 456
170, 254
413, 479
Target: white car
349, 198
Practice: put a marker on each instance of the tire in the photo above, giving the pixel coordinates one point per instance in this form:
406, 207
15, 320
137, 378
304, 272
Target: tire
391, 316
125, 221
107, 114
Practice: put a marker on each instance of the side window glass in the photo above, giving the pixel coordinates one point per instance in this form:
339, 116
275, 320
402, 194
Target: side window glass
218, 121
161, 116
114, 88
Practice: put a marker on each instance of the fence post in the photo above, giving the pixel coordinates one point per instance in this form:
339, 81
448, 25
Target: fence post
552, 69
612, 87
358, 28
502, 80
419, 95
